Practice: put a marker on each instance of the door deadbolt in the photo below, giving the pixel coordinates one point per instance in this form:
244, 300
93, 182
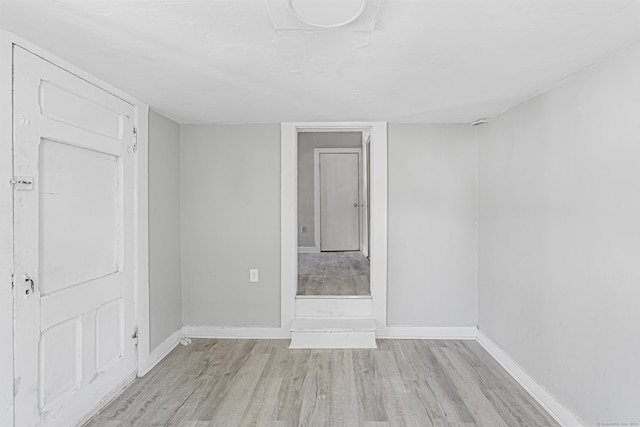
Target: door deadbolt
355, 205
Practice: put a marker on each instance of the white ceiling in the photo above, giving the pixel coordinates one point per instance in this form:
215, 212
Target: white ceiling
431, 61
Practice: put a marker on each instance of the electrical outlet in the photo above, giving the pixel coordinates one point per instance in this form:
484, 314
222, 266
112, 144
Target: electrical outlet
253, 275
303, 229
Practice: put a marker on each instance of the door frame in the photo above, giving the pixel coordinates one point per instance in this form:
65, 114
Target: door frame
289, 212
141, 114
364, 233
6, 231
316, 189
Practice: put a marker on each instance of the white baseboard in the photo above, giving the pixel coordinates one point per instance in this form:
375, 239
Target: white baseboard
308, 249
537, 391
384, 332
161, 351
236, 332
427, 333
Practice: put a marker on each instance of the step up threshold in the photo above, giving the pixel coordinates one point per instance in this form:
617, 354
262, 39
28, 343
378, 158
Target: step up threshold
327, 324
337, 333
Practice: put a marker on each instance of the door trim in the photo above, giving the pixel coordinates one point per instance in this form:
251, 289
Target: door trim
289, 212
141, 243
6, 231
364, 233
316, 188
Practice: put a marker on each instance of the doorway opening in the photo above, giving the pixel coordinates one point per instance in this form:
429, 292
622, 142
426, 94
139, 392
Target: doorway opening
332, 212
298, 228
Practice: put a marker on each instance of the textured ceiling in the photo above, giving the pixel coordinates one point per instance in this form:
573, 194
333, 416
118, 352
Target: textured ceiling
431, 61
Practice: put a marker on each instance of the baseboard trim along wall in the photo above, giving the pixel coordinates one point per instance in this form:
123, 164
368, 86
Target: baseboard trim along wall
427, 332
308, 249
387, 332
236, 332
161, 351
538, 392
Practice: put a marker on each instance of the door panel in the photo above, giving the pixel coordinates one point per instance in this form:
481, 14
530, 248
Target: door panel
73, 241
79, 216
60, 370
109, 334
339, 202
63, 105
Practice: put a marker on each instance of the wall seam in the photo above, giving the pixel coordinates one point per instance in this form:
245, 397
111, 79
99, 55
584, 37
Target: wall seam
476, 131
181, 229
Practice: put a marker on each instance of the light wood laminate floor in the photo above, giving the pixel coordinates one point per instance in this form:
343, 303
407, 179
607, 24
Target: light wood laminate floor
333, 273
263, 383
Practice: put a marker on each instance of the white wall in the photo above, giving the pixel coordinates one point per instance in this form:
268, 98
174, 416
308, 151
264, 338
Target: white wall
165, 291
559, 239
230, 224
432, 225
6, 235
307, 142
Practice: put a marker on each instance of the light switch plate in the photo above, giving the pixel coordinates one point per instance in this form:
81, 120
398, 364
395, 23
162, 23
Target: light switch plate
253, 275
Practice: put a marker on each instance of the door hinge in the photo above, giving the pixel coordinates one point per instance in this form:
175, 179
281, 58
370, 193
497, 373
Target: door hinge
13, 283
135, 336
135, 140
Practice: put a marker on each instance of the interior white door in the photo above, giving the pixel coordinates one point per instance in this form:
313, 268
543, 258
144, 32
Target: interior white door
73, 258
339, 202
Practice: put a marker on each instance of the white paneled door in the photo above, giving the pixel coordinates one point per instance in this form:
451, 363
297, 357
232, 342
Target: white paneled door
74, 248
339, 202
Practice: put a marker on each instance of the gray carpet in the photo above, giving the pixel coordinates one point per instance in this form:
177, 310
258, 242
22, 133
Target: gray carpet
333, 273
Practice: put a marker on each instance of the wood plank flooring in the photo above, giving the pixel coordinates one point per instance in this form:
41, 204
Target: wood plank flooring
333, 273
263, 383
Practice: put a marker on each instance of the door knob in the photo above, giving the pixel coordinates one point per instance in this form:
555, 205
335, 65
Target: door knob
355, 205
30, 285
